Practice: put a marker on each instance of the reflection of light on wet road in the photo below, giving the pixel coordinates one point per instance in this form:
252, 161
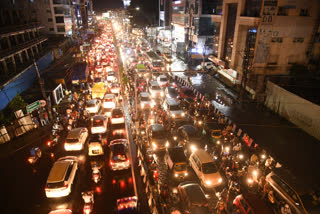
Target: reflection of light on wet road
197, 80
221, 107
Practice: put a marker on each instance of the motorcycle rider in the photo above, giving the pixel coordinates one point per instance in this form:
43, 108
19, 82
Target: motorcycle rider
87, 197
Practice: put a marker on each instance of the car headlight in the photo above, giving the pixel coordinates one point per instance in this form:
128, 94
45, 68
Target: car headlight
185, 174
193, 148
142, 105
175, 138
173, 115
142, 132
183, 114
161, 94
167, 144
220, 180
208, 182
154, 145
152, 94
176, 175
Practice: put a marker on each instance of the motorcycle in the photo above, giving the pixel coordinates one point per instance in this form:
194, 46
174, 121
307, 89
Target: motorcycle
96, 175
35, 154
88, 201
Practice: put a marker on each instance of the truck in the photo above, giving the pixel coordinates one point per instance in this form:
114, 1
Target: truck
177, 162
98, 90
80, 73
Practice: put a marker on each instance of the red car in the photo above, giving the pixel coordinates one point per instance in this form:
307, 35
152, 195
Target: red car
251, 204
186, 92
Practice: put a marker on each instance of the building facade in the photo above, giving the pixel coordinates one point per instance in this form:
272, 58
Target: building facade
248, 39
22, 37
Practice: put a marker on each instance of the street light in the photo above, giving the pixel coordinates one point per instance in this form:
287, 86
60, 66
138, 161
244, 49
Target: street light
137, 8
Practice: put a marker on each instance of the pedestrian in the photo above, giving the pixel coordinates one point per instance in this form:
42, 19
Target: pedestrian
42, 120
35, 121
46, 118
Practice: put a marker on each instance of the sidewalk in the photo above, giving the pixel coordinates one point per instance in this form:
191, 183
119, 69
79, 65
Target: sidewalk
34, 136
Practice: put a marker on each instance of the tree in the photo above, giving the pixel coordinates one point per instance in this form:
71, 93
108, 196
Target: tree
17, 103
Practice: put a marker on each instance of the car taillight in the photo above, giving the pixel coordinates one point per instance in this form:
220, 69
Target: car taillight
64, 187
128, 161
48, 143
111, 163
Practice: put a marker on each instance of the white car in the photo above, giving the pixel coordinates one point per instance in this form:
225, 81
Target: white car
76, 139
155, 90
162, 80
95, 145
119, 155
172, 107
99, 124
109, 101
93, 106
61, 177
145, 101
111, 76
117, 116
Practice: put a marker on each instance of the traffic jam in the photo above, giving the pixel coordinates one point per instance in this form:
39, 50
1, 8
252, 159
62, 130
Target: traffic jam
190, 159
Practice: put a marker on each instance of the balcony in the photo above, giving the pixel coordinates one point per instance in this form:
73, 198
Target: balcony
61, 2
18, 29
9, 52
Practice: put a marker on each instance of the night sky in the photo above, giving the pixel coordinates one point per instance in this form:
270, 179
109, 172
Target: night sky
101, 5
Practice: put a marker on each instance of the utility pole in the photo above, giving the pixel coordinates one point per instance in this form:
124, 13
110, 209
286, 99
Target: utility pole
42, 89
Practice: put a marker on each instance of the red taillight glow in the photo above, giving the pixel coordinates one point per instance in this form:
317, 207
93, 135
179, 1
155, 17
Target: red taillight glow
111, 163
98, 189
113, 181
30, 160
130, 180
48, 143
122, 184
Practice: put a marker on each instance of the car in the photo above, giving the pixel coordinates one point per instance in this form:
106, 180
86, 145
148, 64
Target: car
115, 88
192, 197
76, 139
117, 131
98, 68
99, 124
163, 80
206, 169
145, 100
95, 145
159, 53
109, 101
155, 90
127, 205
186, 92
61, 211
173, 109
189, 136
61, 177
119, 155
251, 203
171, 92
111, 76
117, 116
167, 57
157, 136
93, 106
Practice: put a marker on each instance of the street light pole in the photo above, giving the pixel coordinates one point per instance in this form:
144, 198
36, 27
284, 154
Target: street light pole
42, 89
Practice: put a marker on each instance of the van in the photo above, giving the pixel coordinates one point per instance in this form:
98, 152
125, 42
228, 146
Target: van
285, 192
173, 109
61, 177
192, 197
177, 162
76, 139
206, 169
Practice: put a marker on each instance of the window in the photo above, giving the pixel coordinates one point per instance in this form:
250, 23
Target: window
298, 40
51, 29
59, 19
61, 29
48, 10
273, 60
304, 12
277, 39
68, 172
49, 19
282, 11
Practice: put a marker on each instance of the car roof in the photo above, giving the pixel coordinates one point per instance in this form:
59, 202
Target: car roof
99, 117
195, 193
172, 102
177, 154
95, 138
118, 141
153, 83
157, 127
58, 171
144, 94
109, 96
74, 133
203, 156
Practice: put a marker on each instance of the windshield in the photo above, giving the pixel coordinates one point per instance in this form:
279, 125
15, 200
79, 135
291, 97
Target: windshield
117, 113
145, 98
180, 167
175, 108
172, 91
155, 87
118, 152
163, 79
97, 123
55, 185
72, 140
159, 134
91, 104
209, 168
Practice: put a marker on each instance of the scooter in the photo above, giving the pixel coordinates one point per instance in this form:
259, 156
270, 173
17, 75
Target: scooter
88, 202
96, 175
35, 154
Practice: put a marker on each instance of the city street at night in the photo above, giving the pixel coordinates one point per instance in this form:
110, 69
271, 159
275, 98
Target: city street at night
160, 107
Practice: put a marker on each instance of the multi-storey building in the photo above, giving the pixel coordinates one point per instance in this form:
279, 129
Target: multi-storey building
21, 37
249, 39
